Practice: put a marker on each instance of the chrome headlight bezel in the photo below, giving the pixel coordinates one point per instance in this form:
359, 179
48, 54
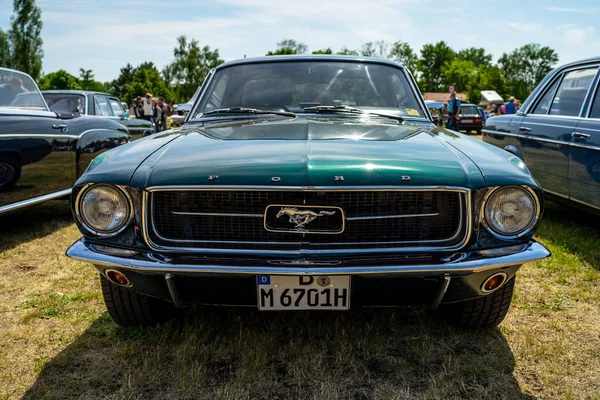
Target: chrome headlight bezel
532, 223
87, 226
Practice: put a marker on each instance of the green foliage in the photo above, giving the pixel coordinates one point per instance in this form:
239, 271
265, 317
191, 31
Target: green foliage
87, 81
347, 52
402, 53
137, 81
287, 47
476, 55
5, 51
25, 38
526, 66
189, 68
326, 51
377, 49
433, 58
458, 72
60, 79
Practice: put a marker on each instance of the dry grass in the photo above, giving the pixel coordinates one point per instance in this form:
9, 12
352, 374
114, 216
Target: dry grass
57, 342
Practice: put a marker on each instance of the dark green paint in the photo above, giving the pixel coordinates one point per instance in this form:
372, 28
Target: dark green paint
309, 152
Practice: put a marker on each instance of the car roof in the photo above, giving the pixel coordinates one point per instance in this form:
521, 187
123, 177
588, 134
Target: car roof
468, 104
312, 57
84, 92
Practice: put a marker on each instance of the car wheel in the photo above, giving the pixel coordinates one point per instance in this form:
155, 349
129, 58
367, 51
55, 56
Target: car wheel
483, 312
130, 308
10, 172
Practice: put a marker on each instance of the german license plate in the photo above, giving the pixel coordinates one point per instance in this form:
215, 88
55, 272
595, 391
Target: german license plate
467, 121
282, 292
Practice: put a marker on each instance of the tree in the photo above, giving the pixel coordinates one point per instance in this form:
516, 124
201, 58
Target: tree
433, 58
402, 53
458, 72
140, 80
289, 46
189, 68
5, 51
125, 76
326, 51
347, 52
476, 55
87, 82
25, 38
377, 49
60, 79
526, 66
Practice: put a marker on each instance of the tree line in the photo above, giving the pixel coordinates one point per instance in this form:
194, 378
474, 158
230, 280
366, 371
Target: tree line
436, 66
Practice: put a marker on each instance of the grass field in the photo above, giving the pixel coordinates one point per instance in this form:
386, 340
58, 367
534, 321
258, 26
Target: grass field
57, 342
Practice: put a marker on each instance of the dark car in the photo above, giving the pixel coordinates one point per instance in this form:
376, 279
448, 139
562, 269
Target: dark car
470, 119
44, 150
308, 183
101, 104
557, 133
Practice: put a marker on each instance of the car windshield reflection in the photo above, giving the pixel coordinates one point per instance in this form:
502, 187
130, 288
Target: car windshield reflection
296, 86
18, 90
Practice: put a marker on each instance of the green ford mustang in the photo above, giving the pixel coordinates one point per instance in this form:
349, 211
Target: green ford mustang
308, 183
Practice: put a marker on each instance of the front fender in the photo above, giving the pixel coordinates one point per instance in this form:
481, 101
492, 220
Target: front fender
96, 141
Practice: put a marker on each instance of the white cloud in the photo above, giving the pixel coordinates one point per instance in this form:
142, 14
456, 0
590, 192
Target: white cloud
565, 10
526, 27
577, 35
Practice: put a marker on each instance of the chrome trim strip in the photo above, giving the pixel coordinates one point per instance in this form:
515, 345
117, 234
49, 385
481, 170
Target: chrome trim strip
38, 135
35, 200
203, 214
311, 188
467, 211
148, 263
392, 216
572, 199
530, 137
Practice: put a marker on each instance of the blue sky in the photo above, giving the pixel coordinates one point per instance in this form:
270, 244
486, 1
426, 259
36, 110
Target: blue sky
105, 35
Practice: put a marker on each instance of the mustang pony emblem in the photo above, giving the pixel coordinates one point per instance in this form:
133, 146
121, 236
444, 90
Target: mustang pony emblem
302, 218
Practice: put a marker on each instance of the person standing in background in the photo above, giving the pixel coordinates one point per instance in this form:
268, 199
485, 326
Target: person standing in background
453, 111
138, 110
510, 107
149, 110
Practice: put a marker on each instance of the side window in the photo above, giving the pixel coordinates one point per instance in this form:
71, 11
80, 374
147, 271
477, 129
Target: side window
572, 91
544, 105
116, 107
595, 111
102, 107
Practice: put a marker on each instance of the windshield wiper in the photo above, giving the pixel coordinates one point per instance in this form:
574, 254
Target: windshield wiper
353, 110
246, 110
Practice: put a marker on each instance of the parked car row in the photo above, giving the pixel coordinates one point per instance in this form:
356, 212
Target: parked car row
470, 119
556, 133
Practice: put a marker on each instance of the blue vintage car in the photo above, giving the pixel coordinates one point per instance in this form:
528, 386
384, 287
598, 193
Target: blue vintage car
308, 183
557, 133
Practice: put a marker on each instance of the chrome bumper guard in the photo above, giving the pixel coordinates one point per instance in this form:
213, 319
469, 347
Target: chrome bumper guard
459, 263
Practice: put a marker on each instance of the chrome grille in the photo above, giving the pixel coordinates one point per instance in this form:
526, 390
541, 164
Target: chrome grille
234, 219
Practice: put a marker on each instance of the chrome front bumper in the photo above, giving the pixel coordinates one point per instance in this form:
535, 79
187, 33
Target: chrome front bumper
151, 262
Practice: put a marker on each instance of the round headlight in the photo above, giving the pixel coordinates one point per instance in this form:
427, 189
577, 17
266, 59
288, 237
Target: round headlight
511, 211
104, 209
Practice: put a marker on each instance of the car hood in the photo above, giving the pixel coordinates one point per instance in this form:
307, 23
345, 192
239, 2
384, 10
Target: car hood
308, 152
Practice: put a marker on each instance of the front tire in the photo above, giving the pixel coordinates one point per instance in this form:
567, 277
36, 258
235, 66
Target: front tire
130, 308
483, 312
10, 172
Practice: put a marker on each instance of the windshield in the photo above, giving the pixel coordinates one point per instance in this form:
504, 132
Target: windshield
296, 85
18, 90
75, 101
469, 110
